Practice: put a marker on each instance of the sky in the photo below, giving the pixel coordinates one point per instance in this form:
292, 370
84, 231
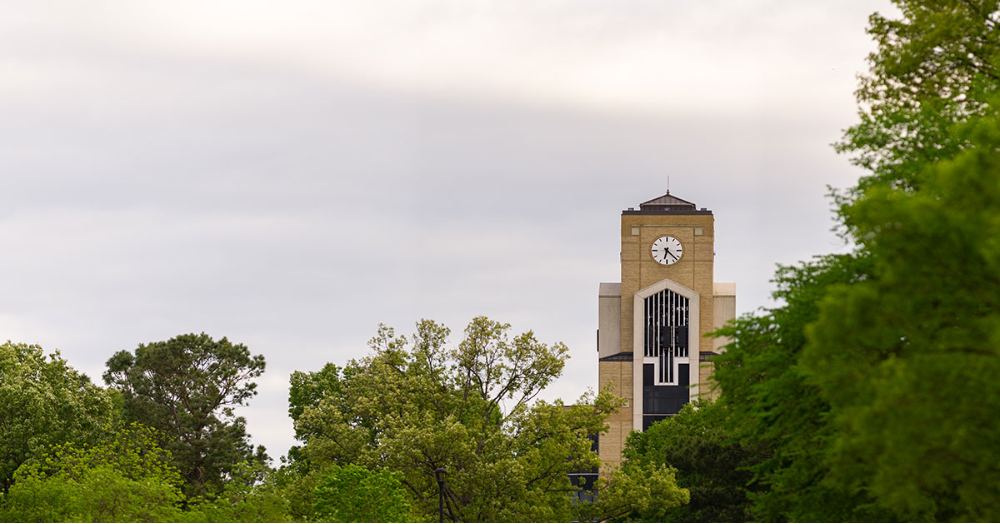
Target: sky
291, 174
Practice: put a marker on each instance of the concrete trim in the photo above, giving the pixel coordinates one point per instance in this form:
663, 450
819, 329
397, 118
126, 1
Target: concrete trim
694, 342
724, 289
610, 289
609, 319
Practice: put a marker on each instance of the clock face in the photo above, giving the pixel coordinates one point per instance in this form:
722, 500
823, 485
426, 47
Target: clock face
667, 250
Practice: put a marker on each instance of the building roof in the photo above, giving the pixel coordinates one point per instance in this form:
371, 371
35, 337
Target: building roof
667, 205
668, 200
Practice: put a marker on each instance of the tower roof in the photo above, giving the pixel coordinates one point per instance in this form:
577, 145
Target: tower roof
668, 200
667, 205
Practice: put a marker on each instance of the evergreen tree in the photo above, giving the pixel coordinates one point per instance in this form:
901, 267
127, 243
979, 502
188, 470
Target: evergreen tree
187, 387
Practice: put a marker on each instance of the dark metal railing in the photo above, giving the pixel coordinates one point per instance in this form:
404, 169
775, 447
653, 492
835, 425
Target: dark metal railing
666, 336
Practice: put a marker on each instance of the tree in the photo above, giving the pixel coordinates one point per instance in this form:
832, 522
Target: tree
918, 385
251, 493
767, 400
351, 493
307, 390
935, 68
636, 493
44, 402
416, 405
296, 482
712, 466
861, 381
914, 393
187, 387
124, 478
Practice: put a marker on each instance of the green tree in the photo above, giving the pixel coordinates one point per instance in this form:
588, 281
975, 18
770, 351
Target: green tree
935, 67
251, 493
187, 387
126, 477
908, 357
352, 493
307, 390
44, 402
417, 405
712, 466
296, 482
635, 493
876, 348
916, 385
767, 400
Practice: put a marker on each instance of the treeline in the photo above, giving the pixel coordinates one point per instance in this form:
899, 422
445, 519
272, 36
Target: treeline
872, 393
162, 444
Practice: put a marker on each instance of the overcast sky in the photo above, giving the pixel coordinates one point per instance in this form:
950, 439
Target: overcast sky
290, 174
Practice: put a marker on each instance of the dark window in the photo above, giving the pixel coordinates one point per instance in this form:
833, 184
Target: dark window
664, 400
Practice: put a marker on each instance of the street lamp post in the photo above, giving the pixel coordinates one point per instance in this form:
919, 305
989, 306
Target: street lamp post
439, 473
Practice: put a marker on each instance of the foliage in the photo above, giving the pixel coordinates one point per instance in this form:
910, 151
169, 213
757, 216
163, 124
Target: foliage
124, 478
871, 382
297, 484
636, 493
935, 68
767, 400
250, 494
714, 468
915, 395
874, 420
308, 389
413, 407
187, 388
354, 494
45, 402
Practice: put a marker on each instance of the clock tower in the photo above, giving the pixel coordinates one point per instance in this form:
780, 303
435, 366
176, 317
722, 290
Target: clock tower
651, 341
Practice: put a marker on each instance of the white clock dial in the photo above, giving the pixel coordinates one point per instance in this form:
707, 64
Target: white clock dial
667, 250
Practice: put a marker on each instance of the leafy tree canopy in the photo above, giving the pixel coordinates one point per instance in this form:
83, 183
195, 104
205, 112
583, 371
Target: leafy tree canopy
124, 478
908, 358
251, 493
935, 67
635, 493
416, 405
44, 402
870, 382
352, 493
187, 387
767, 400
714, 468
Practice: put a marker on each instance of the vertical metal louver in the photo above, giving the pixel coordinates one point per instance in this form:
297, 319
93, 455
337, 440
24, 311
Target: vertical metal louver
666, 334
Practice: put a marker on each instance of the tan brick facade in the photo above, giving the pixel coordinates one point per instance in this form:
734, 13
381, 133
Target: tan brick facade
692, 275
694, 270
618, 373
707, 388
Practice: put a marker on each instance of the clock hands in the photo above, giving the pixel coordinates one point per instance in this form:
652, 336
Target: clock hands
668, 257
